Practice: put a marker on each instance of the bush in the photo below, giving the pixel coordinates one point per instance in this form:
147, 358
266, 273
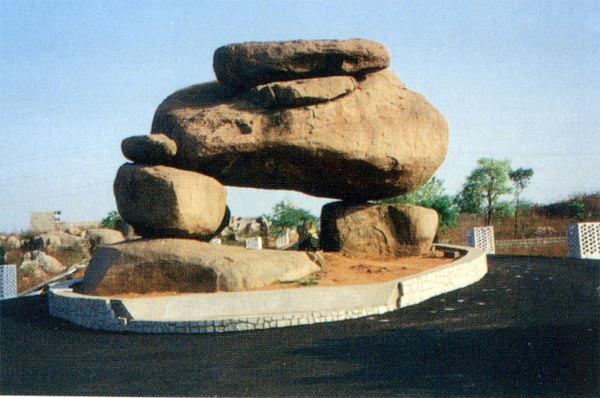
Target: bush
113, 220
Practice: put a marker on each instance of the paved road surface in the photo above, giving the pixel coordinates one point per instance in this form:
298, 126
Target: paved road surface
531, 327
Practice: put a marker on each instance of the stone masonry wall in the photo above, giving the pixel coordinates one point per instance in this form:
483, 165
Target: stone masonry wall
106, 314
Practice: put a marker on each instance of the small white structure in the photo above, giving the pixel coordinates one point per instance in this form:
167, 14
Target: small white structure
8, 281
215, 241
482, 238
583, 240
283, 240
254, 243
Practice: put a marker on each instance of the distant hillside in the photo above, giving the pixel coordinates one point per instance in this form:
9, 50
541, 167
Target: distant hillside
584, 207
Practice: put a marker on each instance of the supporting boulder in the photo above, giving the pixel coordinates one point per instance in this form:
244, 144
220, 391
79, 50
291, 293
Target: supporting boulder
377, 231
160, 201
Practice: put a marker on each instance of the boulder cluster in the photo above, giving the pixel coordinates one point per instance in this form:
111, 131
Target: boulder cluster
324, 117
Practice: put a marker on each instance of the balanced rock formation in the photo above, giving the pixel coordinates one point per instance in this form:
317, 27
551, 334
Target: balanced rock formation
185, 265
251, 64
324, 117
160, 201
385, 230
378, 141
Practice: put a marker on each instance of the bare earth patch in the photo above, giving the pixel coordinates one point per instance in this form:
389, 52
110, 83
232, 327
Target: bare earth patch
339, 270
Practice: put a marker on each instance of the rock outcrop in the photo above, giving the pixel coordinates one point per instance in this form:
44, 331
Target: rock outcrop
184, 265
379, 231
160, 201
102, 236
37, 261
12, 243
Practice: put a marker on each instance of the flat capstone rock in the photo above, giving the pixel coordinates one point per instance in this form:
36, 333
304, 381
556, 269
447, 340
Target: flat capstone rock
248, 65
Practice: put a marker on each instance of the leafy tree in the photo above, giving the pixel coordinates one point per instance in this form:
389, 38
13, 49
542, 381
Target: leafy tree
484, 188
576, 209
112, 220
520, 178
427, 192
431, 195
286, 215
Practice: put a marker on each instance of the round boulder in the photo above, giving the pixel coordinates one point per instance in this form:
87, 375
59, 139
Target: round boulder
102, 236
153, 149
160, 201
37, 259
377, 231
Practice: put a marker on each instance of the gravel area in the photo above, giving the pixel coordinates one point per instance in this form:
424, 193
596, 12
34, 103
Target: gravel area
531, 327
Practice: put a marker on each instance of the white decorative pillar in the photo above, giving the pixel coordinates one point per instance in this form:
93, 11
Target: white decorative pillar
583, 240
482, 238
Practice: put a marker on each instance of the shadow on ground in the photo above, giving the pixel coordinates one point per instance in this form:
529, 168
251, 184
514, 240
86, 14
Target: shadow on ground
531, 327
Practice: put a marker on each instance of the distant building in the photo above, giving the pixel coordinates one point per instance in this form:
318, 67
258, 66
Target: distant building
50, 221
44, 222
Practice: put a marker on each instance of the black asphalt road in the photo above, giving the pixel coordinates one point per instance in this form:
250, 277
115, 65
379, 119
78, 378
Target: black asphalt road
531, 327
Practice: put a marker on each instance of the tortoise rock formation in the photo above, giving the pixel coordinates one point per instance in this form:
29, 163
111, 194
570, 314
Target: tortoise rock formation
325, 117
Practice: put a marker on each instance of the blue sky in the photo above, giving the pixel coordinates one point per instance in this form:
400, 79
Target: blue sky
515, 80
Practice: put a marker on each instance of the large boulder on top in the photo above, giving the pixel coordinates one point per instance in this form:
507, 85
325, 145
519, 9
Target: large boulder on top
166, 202
378, 141
183, 265
247, 65
377, 231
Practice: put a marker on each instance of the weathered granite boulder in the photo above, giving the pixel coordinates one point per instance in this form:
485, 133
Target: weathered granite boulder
247, 65
303, 92
102, 236
56, 241
32, 261
378, 231
153, 149
12, 243
379, 141
184, 265
160, 201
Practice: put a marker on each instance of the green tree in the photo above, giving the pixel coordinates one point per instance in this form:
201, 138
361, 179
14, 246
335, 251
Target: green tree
431, 195
520, 179
286, 215
112, 220
484, 188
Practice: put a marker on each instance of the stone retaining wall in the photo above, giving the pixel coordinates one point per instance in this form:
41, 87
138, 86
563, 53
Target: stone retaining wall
241, 311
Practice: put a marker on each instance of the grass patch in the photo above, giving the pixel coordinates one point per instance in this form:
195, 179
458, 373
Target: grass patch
307, 281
